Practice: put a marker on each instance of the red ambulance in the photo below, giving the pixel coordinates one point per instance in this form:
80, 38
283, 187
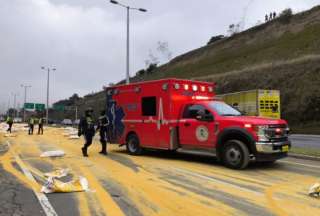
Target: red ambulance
173, 114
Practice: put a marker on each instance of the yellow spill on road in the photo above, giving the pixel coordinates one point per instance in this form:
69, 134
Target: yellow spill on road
157, 184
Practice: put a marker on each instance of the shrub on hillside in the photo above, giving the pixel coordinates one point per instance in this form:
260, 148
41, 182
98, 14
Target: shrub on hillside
215, 39
286, 15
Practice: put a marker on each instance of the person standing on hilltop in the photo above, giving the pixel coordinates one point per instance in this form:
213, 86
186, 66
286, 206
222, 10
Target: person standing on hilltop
274, 15
86, 128
266, 18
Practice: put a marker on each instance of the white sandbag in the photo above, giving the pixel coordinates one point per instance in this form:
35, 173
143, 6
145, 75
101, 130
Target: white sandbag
57, 153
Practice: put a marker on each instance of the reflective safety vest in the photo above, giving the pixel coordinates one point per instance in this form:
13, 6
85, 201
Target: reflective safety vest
9, 120
31, 121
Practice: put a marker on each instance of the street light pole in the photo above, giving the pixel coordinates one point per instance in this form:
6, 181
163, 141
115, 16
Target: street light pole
14, 105
128, 8
128, 46
25, 99
48, 88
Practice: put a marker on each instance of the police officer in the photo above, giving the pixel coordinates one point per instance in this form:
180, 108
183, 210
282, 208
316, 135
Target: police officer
103, 127
40, 125
10, 123
86, 128
31, 125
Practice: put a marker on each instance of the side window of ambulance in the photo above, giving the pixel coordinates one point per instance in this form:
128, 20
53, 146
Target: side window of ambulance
149, 106
190, 111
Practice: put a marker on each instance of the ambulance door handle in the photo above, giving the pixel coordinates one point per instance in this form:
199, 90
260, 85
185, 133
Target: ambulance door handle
187, 124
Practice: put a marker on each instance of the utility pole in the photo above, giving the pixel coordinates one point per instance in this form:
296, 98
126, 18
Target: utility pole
48, 88
25, 99
128, 8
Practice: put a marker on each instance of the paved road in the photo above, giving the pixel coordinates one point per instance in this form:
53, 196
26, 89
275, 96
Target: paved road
305, 141
156, 183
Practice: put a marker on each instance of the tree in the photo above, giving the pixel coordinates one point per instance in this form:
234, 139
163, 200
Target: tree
286, 15
151, 68
215, 39
141, 72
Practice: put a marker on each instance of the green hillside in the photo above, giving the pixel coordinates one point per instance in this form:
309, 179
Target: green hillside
282, 54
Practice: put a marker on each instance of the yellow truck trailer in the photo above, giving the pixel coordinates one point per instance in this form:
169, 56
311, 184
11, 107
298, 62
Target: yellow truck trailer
264, 103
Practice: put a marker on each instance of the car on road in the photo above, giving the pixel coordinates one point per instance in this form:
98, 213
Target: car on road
66, 122
174, 114
17, 120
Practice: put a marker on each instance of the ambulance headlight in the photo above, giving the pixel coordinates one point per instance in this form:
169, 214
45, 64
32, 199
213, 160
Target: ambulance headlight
261, 132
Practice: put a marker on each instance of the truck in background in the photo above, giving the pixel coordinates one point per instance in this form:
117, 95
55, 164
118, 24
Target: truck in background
263, 103
173, 114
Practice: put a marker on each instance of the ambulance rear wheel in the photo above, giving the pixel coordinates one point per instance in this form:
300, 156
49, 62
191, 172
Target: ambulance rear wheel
133, 145
236, 155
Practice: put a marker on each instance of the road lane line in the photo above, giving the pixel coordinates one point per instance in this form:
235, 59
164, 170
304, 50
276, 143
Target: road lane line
218, 181
301, 164
44, 202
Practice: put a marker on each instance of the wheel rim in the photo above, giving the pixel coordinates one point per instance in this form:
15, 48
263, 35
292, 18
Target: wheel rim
234, 156
132, 146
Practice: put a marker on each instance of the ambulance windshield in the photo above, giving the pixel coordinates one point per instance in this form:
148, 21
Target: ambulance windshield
224, 109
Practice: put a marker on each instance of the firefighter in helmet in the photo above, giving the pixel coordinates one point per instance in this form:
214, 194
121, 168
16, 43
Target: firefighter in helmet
103, 128
86, 128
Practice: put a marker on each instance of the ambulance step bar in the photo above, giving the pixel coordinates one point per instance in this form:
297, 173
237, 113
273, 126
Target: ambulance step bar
204, 152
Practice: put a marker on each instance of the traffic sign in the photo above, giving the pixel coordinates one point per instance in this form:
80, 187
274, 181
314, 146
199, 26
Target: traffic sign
40, 107
29, 106
58, 107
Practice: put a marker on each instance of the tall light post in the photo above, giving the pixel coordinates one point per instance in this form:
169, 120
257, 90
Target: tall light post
128, 8
25, 99
14, 104
48, 83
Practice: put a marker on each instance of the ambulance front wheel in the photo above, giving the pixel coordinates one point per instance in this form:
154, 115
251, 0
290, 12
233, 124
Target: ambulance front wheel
133, 145
236, 154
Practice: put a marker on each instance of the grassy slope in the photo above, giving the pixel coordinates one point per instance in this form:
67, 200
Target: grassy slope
276, 55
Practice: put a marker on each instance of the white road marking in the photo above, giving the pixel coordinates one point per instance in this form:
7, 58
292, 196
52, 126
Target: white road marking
301, 164
218, 181
44, 202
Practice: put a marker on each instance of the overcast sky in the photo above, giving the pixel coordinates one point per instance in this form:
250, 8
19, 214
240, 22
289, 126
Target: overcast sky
85, 39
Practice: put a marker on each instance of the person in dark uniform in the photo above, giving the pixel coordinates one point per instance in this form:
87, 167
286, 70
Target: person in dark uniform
86, 128
31, 125
103, 128
10, 123
40, 125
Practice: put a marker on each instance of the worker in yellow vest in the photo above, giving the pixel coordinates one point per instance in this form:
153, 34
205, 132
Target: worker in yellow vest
40, 125
10, 123
31, 125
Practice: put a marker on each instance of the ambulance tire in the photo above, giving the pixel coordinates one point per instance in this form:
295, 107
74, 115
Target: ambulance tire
236, 154
133, 145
